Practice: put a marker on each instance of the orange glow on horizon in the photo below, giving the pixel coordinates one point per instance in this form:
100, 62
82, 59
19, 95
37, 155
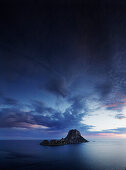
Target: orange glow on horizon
112, 135
106, 135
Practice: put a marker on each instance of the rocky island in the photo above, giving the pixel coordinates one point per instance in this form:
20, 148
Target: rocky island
73, 137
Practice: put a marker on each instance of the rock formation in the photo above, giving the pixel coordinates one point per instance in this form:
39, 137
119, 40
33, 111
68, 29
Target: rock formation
73, 137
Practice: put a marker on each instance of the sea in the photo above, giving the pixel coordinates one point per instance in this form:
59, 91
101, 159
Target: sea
94, 155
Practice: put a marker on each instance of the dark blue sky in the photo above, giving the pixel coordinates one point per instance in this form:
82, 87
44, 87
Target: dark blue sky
62, 66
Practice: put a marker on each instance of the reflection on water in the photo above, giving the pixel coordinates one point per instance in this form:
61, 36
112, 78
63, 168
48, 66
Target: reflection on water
29, 155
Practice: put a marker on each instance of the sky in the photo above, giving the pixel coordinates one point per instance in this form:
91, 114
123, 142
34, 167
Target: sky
62, 67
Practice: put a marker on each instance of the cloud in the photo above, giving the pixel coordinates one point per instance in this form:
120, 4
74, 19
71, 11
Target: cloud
103, 119
58, 87
56, 119
117, 105
121, 130
29, 125
44, 117
14, 118
104, 89
120, 116
10, 101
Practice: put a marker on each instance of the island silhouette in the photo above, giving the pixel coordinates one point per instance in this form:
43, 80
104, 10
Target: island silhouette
73, 137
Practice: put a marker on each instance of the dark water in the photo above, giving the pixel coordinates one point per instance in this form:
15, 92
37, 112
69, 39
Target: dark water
29, 155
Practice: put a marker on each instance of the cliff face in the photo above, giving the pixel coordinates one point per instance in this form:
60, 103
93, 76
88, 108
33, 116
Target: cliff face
73, 137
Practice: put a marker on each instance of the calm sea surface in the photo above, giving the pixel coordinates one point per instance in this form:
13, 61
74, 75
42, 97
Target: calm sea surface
29, 155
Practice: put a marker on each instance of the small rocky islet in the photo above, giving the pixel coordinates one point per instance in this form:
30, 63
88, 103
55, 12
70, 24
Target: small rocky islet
73, 137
